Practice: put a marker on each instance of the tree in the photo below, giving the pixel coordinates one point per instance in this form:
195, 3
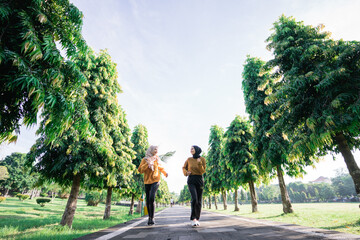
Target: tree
214, 156
122, 171
19, 179
343, 185
140, 140
185, 195
271, 149
318, 95
34, 75
4, 173
102, 155
239, 158
163, 193
242, 195
207, 181
326, 191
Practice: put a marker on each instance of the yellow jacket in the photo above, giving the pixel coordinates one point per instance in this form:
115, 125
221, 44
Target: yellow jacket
195, 167
151, 176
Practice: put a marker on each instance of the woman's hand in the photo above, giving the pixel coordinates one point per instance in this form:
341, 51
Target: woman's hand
188, 173
167, 175
198, 160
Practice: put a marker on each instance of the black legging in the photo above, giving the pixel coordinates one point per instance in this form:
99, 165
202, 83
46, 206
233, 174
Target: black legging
196, 187
150, 191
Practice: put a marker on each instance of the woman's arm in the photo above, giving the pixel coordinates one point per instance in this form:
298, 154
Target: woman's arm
143, 166
161, 169
185, 168
202, 165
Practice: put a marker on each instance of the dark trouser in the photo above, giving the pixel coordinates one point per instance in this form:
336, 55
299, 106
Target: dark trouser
196, 187
150, 191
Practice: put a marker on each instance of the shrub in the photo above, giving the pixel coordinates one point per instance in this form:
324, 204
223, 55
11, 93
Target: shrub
2, 199
22, 197
43, 194
42, 201
93, 198
15, 194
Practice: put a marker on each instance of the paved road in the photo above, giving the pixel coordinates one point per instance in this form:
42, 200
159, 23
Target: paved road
174, 224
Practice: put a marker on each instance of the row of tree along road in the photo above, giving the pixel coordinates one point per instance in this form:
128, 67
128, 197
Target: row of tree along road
84, 138
303, 103
340, 189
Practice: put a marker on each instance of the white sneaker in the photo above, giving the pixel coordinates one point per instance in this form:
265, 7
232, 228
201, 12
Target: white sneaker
193, 223
197, 223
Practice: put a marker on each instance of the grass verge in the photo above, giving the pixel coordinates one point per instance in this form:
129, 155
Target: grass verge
342, 217
27, 220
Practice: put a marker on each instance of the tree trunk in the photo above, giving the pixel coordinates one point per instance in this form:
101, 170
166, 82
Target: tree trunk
223, 193
53, 195
209, 201
108, 204
32, 193
132, 205
253, 196
236, 201
215, 202
70, 209
287, 207
6, 192
349, 160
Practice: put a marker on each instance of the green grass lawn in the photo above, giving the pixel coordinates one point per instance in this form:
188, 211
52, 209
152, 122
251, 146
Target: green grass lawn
342, 217
27, 220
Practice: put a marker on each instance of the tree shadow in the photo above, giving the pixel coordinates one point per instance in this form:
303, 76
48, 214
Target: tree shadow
354, 224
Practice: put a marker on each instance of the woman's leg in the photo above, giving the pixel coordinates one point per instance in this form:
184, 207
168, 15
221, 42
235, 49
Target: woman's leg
152, 194
194, 201
199, 192
147, 194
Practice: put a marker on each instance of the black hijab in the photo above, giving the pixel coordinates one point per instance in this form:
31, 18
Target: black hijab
197, 151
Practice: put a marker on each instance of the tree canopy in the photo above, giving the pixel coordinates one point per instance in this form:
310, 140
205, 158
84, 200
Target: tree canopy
34, 75
318, 93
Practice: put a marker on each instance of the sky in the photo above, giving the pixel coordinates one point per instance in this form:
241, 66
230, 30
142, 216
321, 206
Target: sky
180, 64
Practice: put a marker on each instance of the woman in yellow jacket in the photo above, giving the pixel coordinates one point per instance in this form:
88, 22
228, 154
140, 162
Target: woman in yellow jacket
150, 166
194, 168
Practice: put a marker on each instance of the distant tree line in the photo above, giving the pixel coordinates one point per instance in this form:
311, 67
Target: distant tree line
341, 189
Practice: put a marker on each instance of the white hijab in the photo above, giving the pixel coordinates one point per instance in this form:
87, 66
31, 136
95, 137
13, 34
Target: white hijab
150, 158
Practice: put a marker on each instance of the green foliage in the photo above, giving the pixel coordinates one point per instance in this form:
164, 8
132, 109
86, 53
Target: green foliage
237, 154
43, 194
19, 178
34, 75
184, 195
318, 95
22, 197
102, 158
163, 193
343, 185
140, 142
215, 174
321, 81
4, 174
270, 147
93, 198
43, 201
